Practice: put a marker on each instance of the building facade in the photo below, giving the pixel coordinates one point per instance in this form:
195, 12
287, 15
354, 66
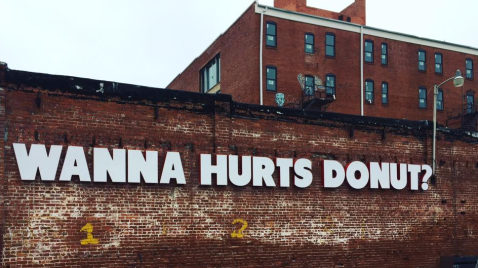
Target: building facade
48, 219
346, 66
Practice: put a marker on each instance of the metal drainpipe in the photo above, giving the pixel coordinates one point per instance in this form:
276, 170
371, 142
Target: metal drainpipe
260, 57
361, 70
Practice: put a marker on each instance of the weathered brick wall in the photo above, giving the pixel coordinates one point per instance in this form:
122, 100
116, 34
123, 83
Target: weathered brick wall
191, 225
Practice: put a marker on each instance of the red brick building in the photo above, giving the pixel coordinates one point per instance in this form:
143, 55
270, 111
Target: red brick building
108, 224
364, 70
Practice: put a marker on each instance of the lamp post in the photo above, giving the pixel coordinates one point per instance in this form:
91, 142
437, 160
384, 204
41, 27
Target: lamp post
458, 81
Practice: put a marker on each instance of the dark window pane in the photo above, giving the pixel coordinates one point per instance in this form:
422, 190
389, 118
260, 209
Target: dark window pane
309, 85
369, 91
421, 56
440, 100
271, 41
330, 51
271, 73
271, 35
271, 29
330, 40
271, 78
368, 46
271, 85
330, 85
330, 45
384, 93
309, 43
469, 64
210, 74
438, 63
368, 51
470, 102
309, 81
469, 69
384, 54
422, 95
309, 39
368, 56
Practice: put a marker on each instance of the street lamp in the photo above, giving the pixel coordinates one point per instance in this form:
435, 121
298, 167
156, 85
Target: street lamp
458, 81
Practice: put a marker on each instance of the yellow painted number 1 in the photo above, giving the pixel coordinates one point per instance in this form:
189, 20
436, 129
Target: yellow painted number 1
88, 228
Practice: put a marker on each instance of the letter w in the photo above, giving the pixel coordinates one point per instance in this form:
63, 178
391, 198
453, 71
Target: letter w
28, 164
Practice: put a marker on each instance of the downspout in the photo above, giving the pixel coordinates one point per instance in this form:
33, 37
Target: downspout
261, 102
361, 70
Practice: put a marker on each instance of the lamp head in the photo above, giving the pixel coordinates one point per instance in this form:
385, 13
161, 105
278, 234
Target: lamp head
458, 81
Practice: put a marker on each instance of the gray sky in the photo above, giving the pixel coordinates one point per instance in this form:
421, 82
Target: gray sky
148, 42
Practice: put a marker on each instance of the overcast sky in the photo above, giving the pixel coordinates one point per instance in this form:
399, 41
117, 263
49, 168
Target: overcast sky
148, 42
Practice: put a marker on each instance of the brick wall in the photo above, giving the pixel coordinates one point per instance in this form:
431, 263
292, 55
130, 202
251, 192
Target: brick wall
191, 225
239, 49
239, 75
401, 73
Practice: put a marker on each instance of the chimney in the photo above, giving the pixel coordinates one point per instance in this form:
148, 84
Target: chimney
357, 12
354, 13
293, 5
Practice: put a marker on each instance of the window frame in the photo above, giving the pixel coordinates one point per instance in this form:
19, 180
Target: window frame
426, 97
267, 78
366, 90
333, 46
275, 34
386, 54
442, 100
472, 94
441, 64
472, 69
365, 51
313, 85
387, 93
335, 84
424, 61
313, 43
217, 60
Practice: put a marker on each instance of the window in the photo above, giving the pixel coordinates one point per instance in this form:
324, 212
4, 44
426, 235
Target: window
438, 63
384, 54
271, 78
309, 43
470, 102
422, 97
368, 51
369, 91
384, 93
271, 34
309, 85
440, 103
330, 84
469, 68
330, 44
211, 74
422, 60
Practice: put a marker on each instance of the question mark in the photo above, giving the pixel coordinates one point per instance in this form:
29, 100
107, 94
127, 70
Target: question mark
428, 174
239, 233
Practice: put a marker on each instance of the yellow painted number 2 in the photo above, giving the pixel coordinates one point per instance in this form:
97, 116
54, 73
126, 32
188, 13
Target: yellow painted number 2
238, 233
88, 228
